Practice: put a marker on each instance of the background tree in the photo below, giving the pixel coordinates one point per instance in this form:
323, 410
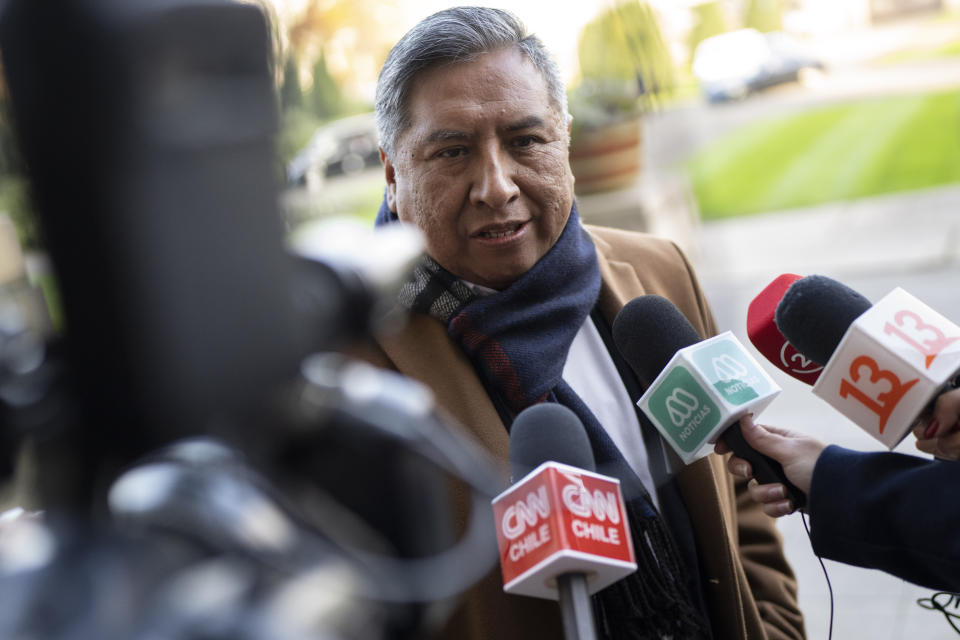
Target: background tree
325, 99
14, 187
312, 90
764, 15
354, 28
291, 95
709, 20
625, 43
624, 66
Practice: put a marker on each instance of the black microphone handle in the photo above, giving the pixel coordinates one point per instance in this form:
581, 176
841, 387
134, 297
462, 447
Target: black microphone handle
765, 468
576, 610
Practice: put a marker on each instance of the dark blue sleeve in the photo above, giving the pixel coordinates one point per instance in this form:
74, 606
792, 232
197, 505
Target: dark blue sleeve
888, 511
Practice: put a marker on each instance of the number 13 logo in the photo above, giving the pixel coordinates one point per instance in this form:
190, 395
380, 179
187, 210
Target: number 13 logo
885, 402
934, 341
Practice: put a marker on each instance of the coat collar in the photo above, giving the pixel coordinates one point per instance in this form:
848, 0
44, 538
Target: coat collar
620, 282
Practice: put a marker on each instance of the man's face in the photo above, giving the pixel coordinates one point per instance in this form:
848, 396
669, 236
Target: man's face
483, 168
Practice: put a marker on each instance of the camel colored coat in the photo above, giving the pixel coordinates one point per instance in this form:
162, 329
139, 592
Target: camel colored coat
751, 592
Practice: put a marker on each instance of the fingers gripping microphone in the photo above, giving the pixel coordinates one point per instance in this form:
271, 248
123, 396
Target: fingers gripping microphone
766, 337
883, 364
696, 390
561, 528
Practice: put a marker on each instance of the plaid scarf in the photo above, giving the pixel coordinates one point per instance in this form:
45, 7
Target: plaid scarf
517, 340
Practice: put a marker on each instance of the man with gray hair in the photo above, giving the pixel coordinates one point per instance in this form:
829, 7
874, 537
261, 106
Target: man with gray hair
512, 306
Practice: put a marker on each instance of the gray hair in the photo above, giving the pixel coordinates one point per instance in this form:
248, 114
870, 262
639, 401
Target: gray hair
451, 36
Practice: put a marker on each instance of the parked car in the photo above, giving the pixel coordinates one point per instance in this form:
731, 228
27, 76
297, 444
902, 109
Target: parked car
732, 65
341, 147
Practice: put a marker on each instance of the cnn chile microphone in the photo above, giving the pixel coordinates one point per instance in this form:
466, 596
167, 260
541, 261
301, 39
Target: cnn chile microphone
697, 390
562, 528
883, 363
766, 337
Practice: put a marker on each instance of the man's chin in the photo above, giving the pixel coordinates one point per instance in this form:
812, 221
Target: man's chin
501, 279
495, 270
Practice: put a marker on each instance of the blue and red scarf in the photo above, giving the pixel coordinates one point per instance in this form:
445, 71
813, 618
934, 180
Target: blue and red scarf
517, 340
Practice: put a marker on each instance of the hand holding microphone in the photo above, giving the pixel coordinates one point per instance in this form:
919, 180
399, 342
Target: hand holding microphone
796, 452
940, 436
883, 364
800, 324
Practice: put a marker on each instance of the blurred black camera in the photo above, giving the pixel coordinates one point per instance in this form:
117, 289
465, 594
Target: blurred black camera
197, 456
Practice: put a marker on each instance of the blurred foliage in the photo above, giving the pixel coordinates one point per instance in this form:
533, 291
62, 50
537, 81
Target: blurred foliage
303, 112
297, 126
325, 99
922, 53
14, 187
625, 43
841, 152
322, 28
624, 65
599, 102
291, 94
15, 200
709, 20
51, 296
359, 199
320, 20
764, 15
308, 104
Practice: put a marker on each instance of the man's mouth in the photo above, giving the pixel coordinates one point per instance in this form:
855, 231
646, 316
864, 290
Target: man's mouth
500, 231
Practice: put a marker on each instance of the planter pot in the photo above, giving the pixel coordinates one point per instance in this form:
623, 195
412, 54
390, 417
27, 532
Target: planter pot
607, 158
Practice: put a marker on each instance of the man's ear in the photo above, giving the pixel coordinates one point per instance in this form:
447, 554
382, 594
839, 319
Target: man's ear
389, 172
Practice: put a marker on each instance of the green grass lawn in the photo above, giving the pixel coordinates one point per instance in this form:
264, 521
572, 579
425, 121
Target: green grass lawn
921, 53
840, 152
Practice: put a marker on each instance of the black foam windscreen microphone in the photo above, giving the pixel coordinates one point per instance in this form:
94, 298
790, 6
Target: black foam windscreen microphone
649, 331
815, 313
548, 432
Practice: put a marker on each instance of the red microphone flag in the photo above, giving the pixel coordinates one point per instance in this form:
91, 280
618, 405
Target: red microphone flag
766, 337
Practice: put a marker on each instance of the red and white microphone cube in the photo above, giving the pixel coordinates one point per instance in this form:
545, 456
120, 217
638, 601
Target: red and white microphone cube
892, 361
560, 519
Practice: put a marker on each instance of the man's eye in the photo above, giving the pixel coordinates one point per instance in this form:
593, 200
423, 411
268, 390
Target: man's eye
524, 141
453, 152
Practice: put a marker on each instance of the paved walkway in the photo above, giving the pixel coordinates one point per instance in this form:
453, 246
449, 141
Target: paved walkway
910, 240
914, 230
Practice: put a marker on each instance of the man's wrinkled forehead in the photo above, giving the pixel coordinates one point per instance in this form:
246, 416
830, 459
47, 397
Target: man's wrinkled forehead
423, 79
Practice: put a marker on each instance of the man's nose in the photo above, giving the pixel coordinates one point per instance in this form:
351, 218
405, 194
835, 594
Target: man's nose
494, 184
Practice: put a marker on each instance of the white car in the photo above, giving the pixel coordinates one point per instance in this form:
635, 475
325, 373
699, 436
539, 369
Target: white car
342, 147
732, 65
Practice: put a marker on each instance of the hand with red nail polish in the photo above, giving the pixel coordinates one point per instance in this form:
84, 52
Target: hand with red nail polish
940, 436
